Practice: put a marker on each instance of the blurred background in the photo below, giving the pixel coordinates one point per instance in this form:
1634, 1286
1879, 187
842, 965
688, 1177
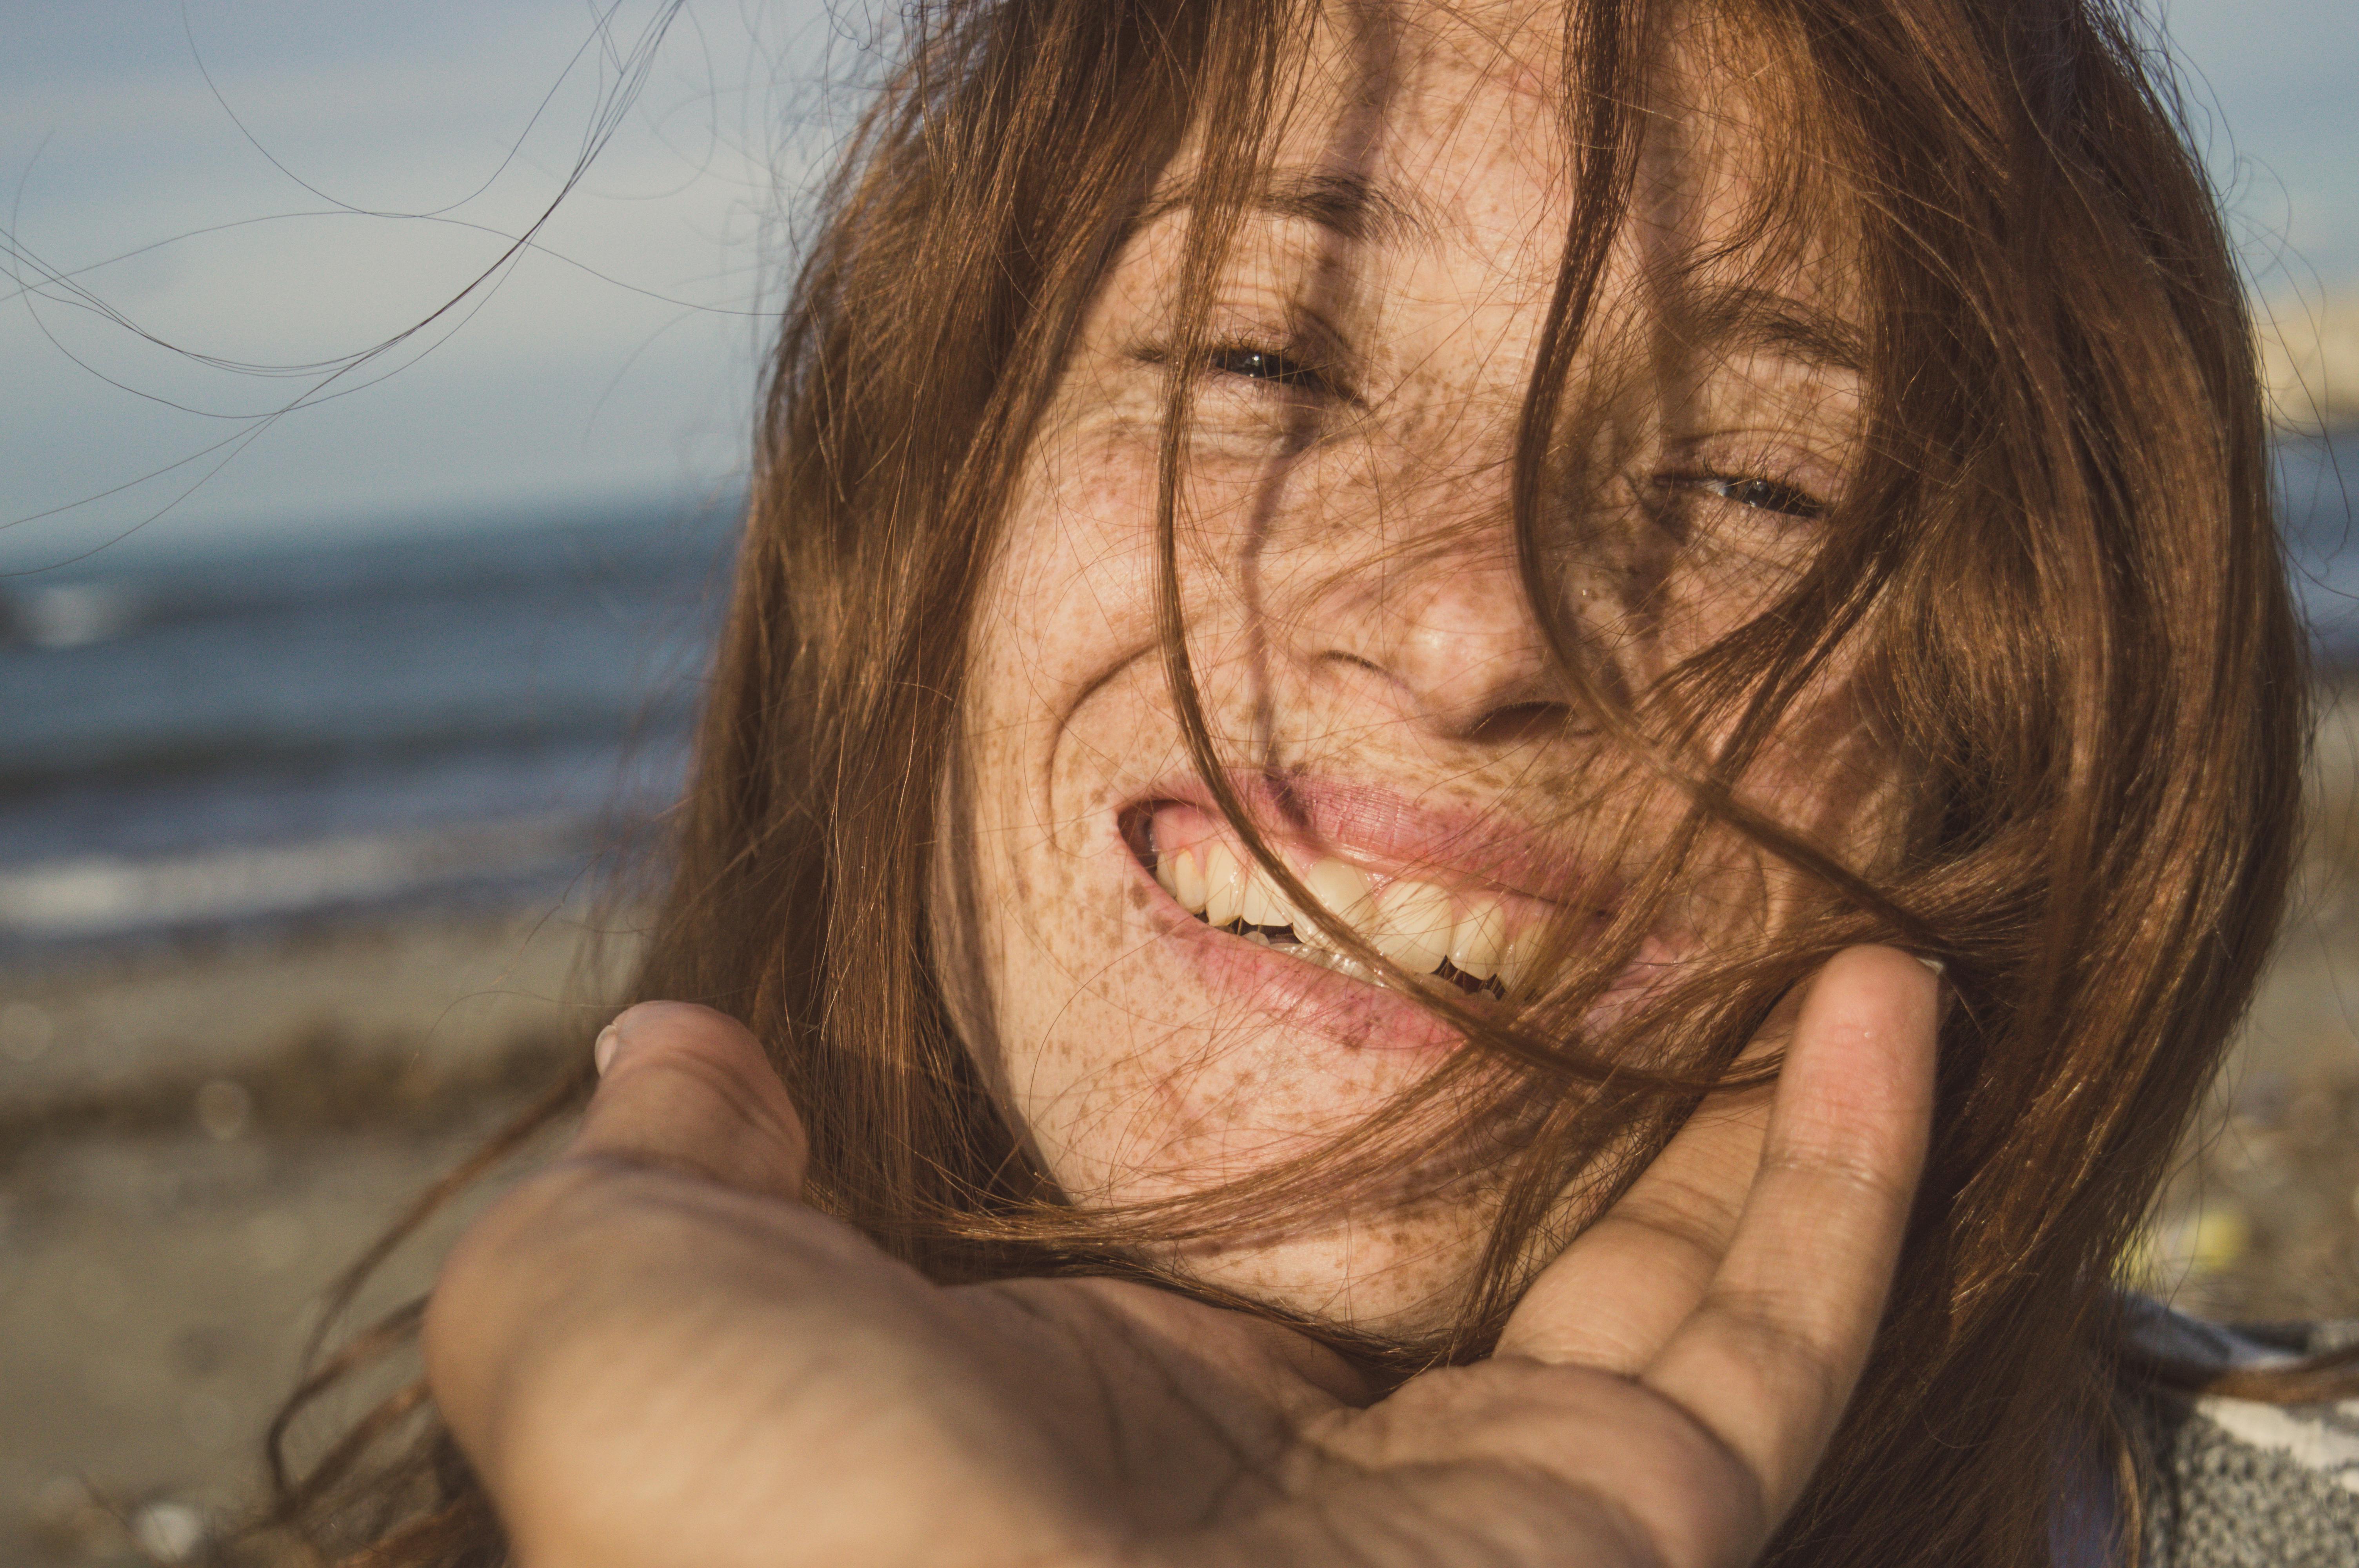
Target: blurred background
335, 648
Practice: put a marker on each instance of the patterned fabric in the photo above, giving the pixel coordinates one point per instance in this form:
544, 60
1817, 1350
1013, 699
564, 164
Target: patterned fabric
2238, 1483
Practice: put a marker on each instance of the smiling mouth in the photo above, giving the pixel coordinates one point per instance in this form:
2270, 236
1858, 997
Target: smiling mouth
1477, 943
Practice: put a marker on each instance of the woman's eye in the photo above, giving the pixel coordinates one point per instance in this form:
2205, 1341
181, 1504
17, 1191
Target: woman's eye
1761, 494
1265, 366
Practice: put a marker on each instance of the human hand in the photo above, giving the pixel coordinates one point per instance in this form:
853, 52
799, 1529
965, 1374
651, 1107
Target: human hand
654, 1354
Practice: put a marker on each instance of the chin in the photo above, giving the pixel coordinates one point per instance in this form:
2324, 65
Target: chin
1401, 1276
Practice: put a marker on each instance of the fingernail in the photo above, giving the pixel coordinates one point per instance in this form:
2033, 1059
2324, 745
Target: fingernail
602, 1053
1935, 964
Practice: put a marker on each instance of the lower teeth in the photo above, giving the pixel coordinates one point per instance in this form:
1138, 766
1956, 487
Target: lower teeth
1344, 964
1341, 963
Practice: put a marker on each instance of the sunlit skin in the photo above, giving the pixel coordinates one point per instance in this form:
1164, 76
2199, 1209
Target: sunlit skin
1358, 629
653, 1352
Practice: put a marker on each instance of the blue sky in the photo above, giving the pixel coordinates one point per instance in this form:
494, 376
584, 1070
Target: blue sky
615, 362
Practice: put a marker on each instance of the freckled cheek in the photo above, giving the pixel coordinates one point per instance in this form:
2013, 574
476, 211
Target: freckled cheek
1851, 800
1114, 1061
1826, 778
1081, 543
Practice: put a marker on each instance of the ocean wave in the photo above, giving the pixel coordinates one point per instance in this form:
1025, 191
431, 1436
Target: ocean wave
111, 895
682, 556
657, 729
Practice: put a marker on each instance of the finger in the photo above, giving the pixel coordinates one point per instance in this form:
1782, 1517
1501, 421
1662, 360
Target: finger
1768, 1359
687, 1088
1635, 1274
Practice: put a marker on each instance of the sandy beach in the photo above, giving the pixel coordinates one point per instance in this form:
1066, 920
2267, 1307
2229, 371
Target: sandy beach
193, 1144
2262, 1220
194, 1140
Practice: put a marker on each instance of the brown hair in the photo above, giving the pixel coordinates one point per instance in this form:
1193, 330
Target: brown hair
2053, 582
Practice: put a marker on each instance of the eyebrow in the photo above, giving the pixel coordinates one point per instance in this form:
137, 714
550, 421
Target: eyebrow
1350, 206
1738, 316
1358, 209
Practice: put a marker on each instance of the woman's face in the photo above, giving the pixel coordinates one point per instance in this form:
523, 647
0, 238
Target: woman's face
1368, 663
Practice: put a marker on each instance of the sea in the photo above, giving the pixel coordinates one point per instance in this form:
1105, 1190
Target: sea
450, 713
197, 741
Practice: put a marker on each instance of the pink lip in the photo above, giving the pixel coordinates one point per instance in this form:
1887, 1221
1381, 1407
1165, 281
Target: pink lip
1385, 833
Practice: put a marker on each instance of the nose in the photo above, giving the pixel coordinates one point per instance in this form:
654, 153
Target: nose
1447, 640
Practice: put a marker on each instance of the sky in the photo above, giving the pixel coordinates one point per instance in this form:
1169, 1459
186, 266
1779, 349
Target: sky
216, 210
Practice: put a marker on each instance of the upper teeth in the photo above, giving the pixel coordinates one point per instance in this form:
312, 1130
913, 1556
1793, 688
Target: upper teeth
1415, 925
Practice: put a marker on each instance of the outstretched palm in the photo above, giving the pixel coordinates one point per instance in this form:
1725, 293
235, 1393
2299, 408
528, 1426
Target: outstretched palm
654, 1355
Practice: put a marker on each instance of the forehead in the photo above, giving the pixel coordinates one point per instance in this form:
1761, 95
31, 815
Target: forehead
1444, 122
1439, 132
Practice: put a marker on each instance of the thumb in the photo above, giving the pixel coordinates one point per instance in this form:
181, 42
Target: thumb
686, 1089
